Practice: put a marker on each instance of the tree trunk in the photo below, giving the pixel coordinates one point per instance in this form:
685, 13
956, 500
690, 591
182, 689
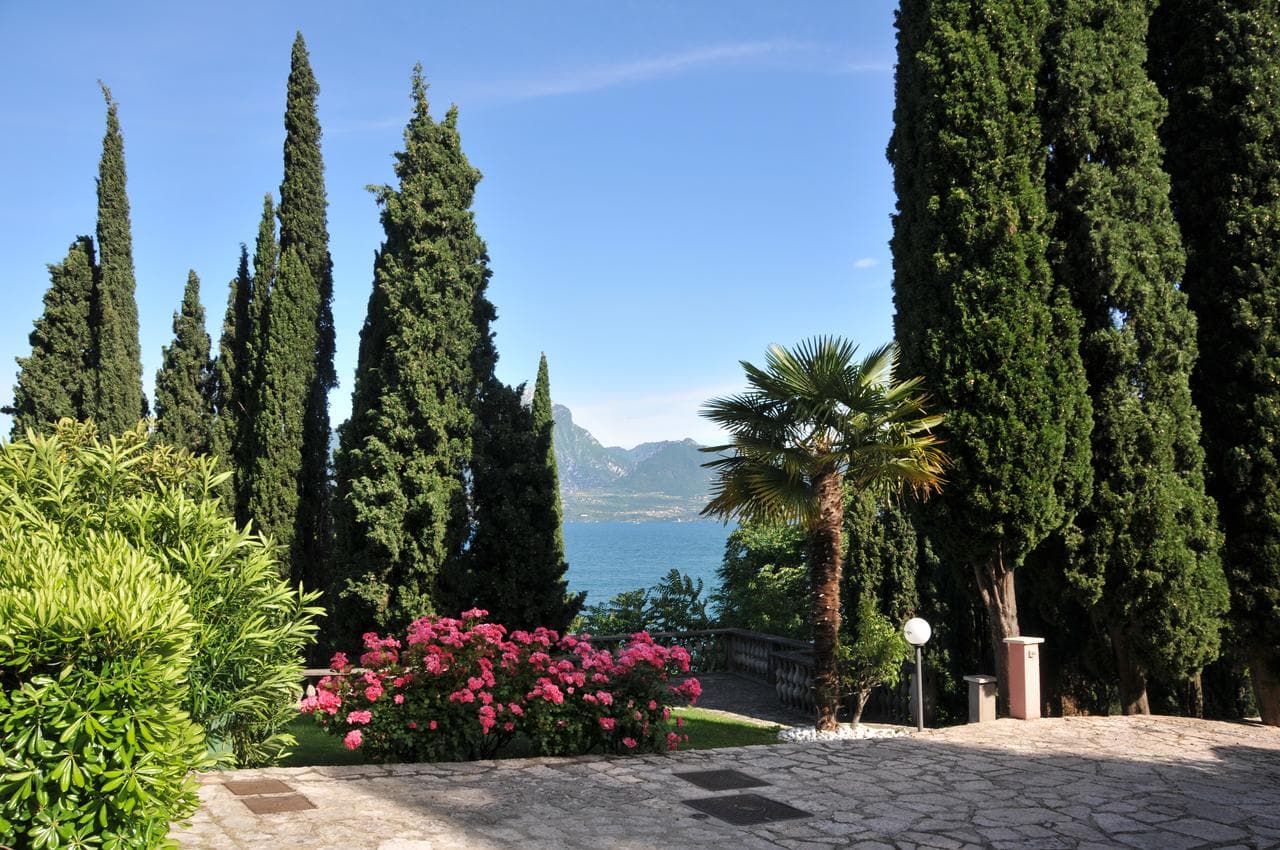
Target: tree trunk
860, 699
824, 577
1264, 670
995, 586
1132, 678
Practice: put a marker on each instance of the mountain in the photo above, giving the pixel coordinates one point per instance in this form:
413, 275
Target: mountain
661, 480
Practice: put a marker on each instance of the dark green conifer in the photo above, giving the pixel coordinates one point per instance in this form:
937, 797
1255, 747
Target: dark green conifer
1144, 551
57, 379
184, 415
119, 402
401, 508
289, 496
515, 567
978, 314
226, 387
1218, 63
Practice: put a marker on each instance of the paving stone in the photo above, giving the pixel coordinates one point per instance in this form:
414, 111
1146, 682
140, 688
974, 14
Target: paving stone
1161, 783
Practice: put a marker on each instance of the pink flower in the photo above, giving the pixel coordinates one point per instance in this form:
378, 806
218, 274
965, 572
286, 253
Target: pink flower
630, 743
679, 722
508, 726
339, 661
473, 614
516, 709
399, 699
605, 697
361, 717
372, 693
413, 724
432, 725
353, 739
607, 723
653, 705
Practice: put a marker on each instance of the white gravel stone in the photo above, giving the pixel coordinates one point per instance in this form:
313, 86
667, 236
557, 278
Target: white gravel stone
845, 732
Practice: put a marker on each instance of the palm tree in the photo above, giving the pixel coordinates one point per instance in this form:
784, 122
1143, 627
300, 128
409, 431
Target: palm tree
812, 421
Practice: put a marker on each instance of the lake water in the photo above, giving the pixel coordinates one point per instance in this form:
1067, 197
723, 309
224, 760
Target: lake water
607, 558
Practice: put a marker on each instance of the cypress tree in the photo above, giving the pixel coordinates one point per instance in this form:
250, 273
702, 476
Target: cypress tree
184, 416
119, 402
401, 508
978, 314
1217, 63
515, 566
57, 379
1144, 551
289, 496
226, 388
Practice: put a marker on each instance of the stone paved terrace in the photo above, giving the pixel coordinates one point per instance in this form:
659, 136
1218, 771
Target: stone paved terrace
1150, 782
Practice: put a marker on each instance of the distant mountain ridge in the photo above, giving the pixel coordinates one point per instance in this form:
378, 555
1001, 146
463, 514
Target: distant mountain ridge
659, 480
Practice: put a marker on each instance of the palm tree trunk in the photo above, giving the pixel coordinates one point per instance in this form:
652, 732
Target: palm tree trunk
824, 574
995, 586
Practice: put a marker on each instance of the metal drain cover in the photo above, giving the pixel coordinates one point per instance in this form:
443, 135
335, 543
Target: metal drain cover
721, 780
746, 809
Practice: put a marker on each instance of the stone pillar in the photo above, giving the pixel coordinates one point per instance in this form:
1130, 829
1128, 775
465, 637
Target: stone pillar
982, 698
1024, 676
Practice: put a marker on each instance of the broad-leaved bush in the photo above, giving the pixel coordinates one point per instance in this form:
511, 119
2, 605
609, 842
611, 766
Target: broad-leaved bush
96, 641
456, 689
251, 626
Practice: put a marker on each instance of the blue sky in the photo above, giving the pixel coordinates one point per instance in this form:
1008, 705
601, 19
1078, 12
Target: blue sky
669, 186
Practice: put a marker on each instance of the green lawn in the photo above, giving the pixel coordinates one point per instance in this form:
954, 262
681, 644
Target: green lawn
706, 731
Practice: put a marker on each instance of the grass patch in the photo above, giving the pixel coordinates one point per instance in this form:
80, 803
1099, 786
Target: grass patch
706, 730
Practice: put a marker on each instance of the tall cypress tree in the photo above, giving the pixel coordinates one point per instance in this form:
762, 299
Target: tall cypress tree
401, 510
118, 399
515, 566
227, 387
290, 487
1144, 552
1217, 63
184, 415
57, 379
978, 314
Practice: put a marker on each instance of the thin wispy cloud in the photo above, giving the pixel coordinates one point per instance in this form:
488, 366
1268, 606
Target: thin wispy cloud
597, 78
866, 263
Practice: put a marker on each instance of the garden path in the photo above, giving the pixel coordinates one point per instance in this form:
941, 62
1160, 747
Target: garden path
1088, 782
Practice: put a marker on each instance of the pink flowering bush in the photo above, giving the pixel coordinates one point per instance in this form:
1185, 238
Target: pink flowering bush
456, 689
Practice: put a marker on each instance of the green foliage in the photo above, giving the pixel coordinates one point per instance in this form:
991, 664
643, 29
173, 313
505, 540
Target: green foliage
626, 613
812, 420
882, 556
514, 567
184, 417
289, 483
1143, 553
96, 643
250, 625
57, 380
231, 387
118, 399
764, 580
1217, 64
425, 354
873, 656
978, 313
674, 604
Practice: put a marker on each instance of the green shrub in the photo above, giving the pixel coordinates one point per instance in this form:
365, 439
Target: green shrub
96, 639
873, 657
251, 627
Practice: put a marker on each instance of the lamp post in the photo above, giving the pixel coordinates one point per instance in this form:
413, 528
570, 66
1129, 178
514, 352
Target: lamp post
917, 633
